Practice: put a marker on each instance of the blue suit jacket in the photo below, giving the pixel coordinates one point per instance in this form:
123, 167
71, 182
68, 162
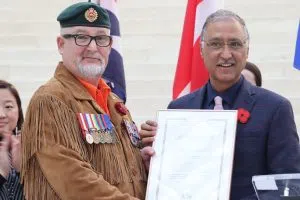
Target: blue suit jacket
267, 144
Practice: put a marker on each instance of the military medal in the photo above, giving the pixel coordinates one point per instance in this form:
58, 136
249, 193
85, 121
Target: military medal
95, 136
84, 129
101, 137
107, 128
89, 138
96, 128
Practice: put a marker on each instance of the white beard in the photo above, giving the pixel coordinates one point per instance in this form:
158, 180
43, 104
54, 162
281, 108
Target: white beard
91, 72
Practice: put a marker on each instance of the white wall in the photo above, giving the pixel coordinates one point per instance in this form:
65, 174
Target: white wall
151, 32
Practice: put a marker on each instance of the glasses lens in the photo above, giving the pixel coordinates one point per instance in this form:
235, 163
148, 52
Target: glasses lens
236, 44
215, 44
83, 39
103, 40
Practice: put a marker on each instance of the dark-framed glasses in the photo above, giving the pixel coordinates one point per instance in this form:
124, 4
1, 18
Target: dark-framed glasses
85, 40
232, 44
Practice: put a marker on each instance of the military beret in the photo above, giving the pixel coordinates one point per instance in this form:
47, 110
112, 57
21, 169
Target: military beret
84, 14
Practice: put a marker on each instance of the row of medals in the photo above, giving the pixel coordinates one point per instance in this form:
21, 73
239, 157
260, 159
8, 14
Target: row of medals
100, 137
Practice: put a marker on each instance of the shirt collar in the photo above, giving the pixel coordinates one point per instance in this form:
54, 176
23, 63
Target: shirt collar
100, 93
102, 87
228, 96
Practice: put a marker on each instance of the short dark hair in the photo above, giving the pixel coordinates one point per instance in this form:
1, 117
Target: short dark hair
14, 92
255, 70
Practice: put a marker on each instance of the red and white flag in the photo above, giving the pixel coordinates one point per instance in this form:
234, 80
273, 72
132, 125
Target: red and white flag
191, 73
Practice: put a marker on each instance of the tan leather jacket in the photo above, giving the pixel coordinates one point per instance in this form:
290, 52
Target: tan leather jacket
59, 164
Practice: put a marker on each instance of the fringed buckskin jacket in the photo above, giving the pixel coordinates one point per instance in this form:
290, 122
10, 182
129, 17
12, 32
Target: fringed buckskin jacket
59, 164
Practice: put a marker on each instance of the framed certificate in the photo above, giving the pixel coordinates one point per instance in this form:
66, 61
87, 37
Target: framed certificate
193, 158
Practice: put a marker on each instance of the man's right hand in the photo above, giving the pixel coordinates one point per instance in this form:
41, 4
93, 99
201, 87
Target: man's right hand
148, 132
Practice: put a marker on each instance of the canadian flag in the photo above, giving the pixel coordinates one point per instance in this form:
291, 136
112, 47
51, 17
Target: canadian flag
191, 73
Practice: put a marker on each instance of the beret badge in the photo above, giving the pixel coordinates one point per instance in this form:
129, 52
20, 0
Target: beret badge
91, 15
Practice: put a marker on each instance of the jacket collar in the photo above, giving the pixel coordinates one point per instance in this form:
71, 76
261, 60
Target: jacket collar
75, 87
79, 91
71, 83
245, 98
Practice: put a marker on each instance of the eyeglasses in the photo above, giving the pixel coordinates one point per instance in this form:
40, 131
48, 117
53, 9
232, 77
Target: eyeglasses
232, 44
85, 40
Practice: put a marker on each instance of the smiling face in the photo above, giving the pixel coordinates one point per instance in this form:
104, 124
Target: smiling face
9, 112
224, 64
85, 62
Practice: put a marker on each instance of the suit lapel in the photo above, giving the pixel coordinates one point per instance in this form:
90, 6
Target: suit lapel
199, 98
246, 97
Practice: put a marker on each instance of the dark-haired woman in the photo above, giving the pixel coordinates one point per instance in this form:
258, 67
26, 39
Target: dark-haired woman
11, 119
252, 74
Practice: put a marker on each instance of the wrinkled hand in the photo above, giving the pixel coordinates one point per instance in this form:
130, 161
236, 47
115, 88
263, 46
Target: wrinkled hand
4, 157
147, 153
16, 152
148, 132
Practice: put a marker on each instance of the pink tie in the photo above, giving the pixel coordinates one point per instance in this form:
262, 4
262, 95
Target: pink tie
218, 103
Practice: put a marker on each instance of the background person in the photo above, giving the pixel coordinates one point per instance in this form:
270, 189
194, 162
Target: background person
11, 120
252, 74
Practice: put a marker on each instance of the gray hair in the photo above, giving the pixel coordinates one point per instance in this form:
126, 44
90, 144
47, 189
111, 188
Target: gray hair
220, 15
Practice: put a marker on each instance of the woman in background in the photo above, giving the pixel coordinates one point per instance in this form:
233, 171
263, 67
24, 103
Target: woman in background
252, 74
11, 120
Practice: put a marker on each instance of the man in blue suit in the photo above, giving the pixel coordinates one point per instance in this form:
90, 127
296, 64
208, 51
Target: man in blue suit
266, 140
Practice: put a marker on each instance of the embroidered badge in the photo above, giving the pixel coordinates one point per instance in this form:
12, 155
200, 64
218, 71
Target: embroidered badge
91, 15
133, 133
243, 115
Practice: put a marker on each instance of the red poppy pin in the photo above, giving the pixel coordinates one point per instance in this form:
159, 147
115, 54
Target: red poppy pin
243, 115
120, 107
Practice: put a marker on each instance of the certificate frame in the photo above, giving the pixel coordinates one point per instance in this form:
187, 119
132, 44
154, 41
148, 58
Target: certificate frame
169, 175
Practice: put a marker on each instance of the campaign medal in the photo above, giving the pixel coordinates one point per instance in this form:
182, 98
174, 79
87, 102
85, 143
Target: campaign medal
89, 138
84, 128
100, 128
95, 135
96, 128
132, 132
102, 138
106, 128
113, 136
107, 137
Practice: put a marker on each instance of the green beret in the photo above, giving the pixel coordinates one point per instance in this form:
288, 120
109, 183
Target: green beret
84, 14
